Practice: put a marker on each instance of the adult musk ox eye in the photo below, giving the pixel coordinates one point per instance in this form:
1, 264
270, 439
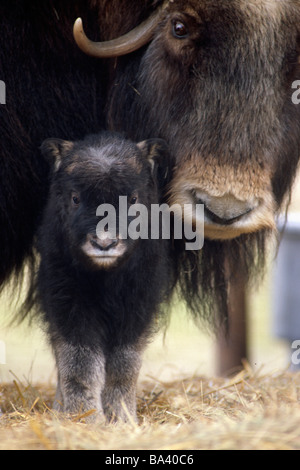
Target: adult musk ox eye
179, 29
75, 199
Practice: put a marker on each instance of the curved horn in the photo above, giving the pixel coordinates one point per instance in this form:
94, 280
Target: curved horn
125, 44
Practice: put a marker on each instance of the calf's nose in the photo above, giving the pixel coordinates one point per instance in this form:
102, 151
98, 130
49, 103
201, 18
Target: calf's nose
103, 243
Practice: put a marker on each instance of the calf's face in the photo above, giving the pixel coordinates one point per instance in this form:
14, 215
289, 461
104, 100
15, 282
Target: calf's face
95, 183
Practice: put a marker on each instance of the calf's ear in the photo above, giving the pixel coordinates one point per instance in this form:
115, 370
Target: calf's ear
156, 151
54, 150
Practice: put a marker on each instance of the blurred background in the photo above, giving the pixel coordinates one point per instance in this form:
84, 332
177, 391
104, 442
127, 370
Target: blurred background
183, 350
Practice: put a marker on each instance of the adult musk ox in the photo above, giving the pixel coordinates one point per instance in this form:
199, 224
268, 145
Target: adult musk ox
213, 78
99, 290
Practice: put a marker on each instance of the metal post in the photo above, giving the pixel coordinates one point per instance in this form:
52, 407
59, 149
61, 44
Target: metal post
232, 348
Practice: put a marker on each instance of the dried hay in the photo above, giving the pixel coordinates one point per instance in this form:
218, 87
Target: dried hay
249, 411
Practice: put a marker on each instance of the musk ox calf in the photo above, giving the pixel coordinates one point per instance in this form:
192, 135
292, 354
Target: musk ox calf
99, 292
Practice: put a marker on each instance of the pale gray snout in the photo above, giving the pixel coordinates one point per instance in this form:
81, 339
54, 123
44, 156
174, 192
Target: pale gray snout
103, 244
226, 209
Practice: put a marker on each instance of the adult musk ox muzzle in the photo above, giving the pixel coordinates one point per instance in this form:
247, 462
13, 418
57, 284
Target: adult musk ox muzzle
216, 83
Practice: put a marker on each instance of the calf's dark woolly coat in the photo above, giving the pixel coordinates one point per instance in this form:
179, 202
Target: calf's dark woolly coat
99, 296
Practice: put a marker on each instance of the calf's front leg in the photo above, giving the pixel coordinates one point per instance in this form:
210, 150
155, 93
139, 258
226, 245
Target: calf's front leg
122, 367
81, 375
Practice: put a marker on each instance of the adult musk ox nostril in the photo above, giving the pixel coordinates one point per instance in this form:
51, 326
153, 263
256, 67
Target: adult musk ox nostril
213, 78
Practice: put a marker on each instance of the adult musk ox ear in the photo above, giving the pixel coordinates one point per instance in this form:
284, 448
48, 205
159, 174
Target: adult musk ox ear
54, 150
156, 151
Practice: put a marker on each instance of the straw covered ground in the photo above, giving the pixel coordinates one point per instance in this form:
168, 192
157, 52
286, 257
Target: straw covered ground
250, 411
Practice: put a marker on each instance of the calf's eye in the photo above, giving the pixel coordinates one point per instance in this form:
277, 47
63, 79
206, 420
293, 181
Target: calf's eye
180, 31
133, 200
75, 199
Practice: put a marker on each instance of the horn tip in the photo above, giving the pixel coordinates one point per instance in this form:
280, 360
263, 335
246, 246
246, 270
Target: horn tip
78, 25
